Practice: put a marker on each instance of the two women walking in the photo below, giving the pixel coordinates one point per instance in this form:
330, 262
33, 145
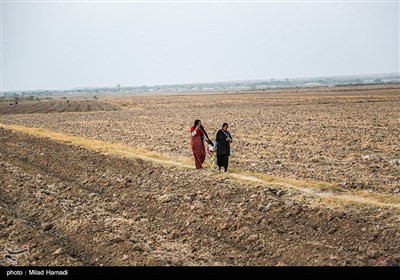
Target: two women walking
222, 145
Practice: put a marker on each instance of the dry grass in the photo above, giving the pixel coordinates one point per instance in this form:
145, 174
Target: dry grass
333, 202
316, 185
326, 192
100, 146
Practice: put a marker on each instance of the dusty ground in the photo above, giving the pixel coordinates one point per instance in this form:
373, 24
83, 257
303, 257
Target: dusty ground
54, 106
71, 206
346, 136
75, 207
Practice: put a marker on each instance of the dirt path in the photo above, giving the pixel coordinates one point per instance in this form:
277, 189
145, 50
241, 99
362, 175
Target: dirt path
306, 188
74, 206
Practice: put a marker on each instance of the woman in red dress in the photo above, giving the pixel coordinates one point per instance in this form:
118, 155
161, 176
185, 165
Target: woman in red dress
198, 135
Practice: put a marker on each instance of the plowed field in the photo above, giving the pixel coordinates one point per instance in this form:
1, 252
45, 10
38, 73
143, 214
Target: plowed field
314, 180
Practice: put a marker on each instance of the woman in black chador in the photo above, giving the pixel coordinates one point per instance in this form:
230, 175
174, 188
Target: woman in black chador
224, 140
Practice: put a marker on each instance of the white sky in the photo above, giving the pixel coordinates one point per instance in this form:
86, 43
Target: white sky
66, 45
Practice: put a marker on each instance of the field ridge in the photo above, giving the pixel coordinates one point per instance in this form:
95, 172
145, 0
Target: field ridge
321, 190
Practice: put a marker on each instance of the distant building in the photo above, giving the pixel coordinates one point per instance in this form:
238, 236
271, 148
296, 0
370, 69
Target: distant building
312, 84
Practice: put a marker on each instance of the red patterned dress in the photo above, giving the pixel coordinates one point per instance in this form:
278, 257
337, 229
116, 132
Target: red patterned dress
198, 149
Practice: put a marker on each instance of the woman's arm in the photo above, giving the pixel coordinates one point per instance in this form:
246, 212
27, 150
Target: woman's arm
193, 131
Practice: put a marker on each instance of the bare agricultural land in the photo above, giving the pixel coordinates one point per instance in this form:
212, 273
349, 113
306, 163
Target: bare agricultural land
54, 106
349, 137
314, 179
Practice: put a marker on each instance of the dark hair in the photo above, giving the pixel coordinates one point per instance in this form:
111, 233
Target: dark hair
196, 122
224, 124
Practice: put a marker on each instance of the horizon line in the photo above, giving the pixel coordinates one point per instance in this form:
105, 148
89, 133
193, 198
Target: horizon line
210, 82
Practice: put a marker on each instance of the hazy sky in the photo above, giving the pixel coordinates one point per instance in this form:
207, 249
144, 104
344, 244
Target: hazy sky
66, 45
